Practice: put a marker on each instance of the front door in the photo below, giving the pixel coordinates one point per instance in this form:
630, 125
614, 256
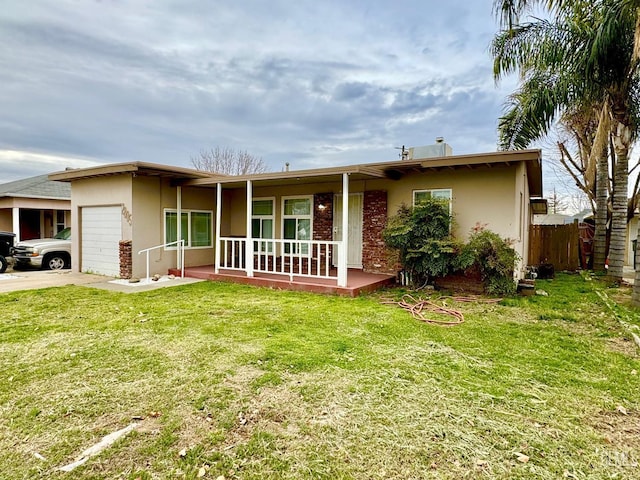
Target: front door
354, 234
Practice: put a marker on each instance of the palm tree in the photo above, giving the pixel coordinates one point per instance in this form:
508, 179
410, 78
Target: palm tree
589, 129
583, 57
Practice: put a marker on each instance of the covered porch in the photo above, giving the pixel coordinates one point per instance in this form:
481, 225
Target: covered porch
286, 231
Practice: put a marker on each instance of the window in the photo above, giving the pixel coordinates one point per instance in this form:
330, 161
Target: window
262, 223
60, 220
196, 228
296, 223
440, 193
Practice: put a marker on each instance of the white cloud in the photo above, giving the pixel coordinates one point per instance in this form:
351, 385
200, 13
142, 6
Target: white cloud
308, 82
20, 164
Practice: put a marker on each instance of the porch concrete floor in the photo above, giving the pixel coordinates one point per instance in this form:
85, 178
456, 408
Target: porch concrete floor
357, 281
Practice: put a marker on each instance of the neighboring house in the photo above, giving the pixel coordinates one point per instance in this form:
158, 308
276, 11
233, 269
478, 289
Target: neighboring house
34, 207
292, 221
552, 219
562, 219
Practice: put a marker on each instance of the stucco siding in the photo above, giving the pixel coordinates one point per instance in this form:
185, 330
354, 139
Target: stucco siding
482, 196
93, 192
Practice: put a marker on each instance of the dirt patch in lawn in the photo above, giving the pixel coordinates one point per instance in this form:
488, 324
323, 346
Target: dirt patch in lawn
623, 345
620, 430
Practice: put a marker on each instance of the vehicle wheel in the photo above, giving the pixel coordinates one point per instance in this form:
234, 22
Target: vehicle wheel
3, 264
55, 261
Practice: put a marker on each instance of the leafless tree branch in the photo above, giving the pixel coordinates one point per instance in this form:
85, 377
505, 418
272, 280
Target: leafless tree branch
228, 161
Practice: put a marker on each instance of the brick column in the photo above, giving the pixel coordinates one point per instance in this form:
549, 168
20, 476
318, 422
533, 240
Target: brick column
323, 219
126, 258
375, 255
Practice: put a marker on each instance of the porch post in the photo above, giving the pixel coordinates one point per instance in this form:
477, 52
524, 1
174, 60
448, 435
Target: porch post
15, 216
342, 249
249, 243
216, 264
179, 226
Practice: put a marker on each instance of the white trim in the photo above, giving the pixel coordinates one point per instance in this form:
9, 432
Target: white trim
179, 232
283, 217
271, 217
216, 261
15, 219
248, 250
343, 247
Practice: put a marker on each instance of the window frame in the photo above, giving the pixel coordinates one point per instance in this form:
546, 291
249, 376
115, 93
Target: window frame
309, 217
187, 243
431, 191
60, 225
264, 247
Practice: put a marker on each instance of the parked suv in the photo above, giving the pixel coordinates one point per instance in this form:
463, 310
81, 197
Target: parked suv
6, 246
46, 253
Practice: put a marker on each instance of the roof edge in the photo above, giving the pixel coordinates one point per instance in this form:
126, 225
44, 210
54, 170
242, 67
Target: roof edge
375, 169
127, 167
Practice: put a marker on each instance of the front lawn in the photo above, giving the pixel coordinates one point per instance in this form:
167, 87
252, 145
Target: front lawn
240, 382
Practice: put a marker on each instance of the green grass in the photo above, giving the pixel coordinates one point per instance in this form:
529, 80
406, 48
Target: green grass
264, 384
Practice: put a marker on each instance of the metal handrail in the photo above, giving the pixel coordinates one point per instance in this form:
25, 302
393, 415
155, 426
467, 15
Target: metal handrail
180, 254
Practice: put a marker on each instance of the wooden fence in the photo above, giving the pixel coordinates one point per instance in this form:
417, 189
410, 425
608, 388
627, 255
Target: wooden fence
555, 244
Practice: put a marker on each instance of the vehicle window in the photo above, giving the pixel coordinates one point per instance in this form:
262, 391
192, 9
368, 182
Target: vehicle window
63, 234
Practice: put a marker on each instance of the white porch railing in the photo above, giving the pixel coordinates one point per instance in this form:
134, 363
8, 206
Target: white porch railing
306, 258
179, 253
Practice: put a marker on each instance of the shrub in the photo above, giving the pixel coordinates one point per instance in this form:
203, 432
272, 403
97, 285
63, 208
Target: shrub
426, 248
496, 260
421, 236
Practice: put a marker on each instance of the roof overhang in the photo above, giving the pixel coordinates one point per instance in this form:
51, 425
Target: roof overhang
390, 170
137, 168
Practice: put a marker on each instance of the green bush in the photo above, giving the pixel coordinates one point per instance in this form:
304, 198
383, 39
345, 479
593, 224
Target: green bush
421, 235
495, 259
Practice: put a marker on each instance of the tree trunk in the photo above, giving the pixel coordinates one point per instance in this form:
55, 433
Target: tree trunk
621, 142
602, 192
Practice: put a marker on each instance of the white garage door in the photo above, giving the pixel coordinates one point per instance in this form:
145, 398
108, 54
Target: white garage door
101, 234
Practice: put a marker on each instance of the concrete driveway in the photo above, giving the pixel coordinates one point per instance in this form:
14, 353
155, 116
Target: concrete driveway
11, 281
15, 280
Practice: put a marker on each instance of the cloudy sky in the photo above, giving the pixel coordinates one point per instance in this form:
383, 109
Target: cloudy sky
306, 82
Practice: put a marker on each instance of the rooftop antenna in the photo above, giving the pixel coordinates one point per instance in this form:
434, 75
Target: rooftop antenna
404, 154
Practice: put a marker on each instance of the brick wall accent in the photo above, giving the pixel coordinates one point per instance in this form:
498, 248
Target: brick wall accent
126, 258
462, 282
375, 255
323, 219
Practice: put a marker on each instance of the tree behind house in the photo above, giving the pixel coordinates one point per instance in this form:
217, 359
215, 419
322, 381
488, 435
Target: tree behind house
228, 161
